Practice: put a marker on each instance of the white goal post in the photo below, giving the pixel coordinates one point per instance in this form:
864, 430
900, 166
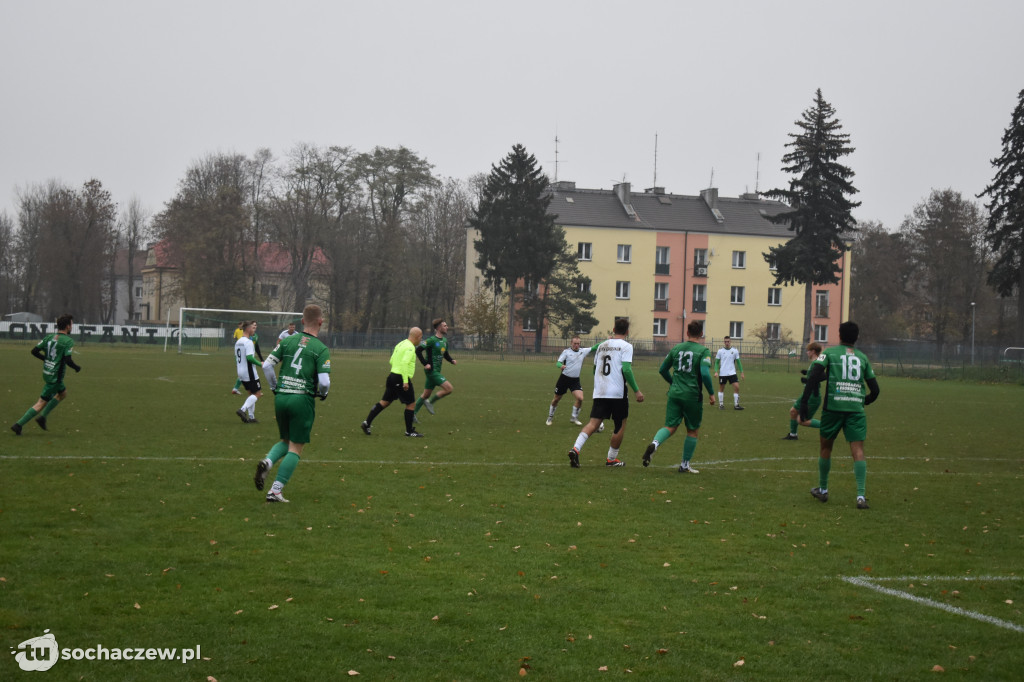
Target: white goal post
203, 329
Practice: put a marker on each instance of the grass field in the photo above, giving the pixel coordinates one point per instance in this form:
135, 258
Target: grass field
478, 554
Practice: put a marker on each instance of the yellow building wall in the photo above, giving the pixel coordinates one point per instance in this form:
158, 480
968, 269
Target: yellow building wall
756, 278
605, 271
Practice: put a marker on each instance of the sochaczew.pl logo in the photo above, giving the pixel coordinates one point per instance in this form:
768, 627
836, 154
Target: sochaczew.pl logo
41, 653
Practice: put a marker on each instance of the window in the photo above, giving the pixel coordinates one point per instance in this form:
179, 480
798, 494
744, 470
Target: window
583, 286
772, 330
821, 333
584, 251
138, 292
821, 303
529, 325
661, 295
736, 295
773, 263
660, 326
700, 301
736, 330
700, 262
625, 253
268, 290
739, 259
774, 296
661, 264
622, 290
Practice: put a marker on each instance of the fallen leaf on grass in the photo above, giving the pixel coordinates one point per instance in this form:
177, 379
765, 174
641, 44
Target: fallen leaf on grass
352, 673
739, 663
938, 669
271, 607
137, 605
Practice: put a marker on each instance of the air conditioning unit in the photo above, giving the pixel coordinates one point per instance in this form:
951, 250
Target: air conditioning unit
700, 271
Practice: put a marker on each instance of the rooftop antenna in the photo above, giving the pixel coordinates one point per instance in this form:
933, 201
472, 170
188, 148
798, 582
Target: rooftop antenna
757, 177
556, 153
712, 182
655, 160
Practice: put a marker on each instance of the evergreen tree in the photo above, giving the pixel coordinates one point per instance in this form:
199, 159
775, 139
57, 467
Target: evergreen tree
819, 214
518, 240
1005, 229
562, 300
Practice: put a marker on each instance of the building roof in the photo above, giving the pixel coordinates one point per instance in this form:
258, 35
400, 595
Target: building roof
274, 258
656, 210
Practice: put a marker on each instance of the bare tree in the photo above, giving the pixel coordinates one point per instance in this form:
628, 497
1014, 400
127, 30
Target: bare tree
945, 236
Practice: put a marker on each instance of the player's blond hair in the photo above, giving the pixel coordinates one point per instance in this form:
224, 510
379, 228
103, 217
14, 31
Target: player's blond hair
312, 314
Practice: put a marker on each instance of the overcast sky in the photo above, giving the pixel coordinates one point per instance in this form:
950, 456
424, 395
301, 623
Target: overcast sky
132, 92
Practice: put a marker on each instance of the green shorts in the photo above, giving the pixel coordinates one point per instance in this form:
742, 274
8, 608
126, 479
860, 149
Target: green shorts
52, 390
689, 411
295, 414
854, 425
813, 403
434, 379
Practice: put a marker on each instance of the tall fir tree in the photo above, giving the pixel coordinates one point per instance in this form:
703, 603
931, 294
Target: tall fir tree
1005, 229
518, 238
563, 300
820, 210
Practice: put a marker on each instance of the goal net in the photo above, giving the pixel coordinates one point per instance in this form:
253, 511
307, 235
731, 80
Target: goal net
205, 330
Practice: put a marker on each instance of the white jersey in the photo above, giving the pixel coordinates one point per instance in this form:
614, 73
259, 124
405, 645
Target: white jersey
285, 334
243, 349
572, 361
608, 379
727, 358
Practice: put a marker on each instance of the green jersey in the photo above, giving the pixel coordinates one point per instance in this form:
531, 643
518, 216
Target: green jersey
846, 371
301, 357
436, 348
56, 347
686, 361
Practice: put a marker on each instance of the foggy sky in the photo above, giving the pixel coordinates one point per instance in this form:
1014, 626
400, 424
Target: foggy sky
133, 92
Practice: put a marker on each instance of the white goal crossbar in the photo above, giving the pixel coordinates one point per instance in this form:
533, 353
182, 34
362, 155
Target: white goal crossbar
227, 313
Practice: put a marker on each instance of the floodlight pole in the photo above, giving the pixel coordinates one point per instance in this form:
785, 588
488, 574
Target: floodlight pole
972, 332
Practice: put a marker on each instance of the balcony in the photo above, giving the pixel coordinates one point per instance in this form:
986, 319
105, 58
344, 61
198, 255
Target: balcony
660, 304
700, 306
661, 268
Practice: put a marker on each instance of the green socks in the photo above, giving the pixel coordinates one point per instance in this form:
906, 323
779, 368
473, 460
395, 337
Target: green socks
50, 406
689, 447
287, 468
824, 466
279, 450
27, 417
662, 435
860, 471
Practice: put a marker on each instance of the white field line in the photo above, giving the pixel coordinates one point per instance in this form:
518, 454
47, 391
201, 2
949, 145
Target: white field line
956, 610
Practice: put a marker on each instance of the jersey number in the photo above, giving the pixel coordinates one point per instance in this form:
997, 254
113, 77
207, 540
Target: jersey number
686, 366
296, 362
51, 349
238, 355
851, 368
606, 365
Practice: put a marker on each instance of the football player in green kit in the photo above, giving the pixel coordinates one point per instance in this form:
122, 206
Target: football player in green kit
690, 366
55, 352
847, 371
813, 351
305, 374
431, 352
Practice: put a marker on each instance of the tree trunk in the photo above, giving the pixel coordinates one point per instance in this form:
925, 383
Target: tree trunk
808, 300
